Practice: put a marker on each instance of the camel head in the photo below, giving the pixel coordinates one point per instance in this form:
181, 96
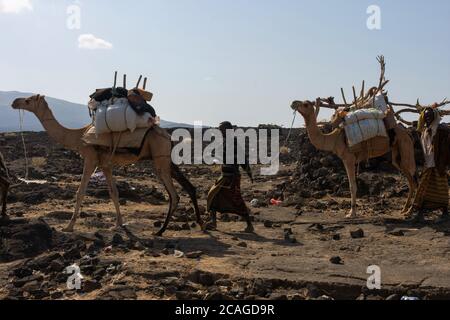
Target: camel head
31, 104
305, 108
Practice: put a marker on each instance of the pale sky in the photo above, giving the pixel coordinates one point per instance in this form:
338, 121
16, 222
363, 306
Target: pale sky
212, 60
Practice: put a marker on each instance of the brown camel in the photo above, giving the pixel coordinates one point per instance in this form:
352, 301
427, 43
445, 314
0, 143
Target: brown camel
402, 150
157, 146
4, 184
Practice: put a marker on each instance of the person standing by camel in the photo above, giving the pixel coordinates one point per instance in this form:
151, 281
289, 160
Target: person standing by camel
432, 193
225, 196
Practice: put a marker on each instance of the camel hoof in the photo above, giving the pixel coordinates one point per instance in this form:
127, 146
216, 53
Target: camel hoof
120, 225
67, 230
406, 210
159, 233
249, 229
351, 216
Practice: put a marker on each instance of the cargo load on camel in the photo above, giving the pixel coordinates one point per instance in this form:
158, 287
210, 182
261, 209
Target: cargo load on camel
121, 110
364, 124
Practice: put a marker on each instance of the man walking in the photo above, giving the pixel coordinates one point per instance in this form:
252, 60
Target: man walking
225, 196
432, 193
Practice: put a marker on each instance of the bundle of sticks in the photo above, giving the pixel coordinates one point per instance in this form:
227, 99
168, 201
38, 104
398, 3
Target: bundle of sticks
365, 99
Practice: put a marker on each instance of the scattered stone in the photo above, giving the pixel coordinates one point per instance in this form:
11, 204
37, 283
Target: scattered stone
117, 240
325, 298
357, 234
316, 227
91, 285
194, 254
178, 254
242, 244
290, 239
336, 260
56, 266
289, 236
56, 295
224, 283
394, 297
398, 233
337, 237
185, 226
74, 253
206, 279
268, 224
22, 272
19, 283
23, 238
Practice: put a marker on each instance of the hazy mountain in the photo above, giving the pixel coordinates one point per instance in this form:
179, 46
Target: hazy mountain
71, 115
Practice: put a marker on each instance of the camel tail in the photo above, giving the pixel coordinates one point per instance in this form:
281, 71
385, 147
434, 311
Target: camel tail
188, 187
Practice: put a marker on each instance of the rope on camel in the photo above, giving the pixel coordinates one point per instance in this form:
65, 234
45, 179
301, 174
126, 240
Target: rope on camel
25, 179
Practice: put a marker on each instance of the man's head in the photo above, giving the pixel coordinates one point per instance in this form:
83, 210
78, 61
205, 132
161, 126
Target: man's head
224, 126
429, 116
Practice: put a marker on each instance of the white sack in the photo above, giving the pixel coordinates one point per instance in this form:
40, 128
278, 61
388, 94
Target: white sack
119, 117
363, 125
380, 103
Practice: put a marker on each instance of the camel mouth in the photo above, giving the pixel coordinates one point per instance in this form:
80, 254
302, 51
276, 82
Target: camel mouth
16, 103
294, 106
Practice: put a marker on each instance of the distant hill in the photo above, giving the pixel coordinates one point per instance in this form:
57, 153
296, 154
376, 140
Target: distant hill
71, 115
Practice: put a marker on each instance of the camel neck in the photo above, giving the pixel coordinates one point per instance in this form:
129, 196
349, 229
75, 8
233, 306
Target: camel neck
321, 141
69, 138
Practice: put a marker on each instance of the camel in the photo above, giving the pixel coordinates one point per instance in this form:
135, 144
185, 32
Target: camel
4, 184
157, 146
402, 150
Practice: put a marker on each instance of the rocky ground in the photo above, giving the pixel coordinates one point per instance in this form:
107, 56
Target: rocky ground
302, 249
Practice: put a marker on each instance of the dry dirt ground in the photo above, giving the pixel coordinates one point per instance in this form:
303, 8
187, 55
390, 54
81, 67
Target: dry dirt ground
303, 249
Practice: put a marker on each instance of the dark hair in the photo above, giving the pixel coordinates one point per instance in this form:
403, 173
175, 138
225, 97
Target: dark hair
225, 125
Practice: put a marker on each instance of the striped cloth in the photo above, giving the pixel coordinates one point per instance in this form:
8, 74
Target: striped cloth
225, 196
433, 191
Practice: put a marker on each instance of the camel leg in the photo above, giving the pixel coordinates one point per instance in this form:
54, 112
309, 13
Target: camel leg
113, 193
190, 189
403, 159
89, 168
350, 167
412, 191
163, 170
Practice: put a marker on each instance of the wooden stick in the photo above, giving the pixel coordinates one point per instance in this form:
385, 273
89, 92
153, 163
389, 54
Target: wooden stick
124, 81
115, 80
139, 82
343, 97
145, 83
354, 96
363, 89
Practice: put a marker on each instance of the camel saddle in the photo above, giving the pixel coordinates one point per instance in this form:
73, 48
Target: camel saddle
118, 140
371, 147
